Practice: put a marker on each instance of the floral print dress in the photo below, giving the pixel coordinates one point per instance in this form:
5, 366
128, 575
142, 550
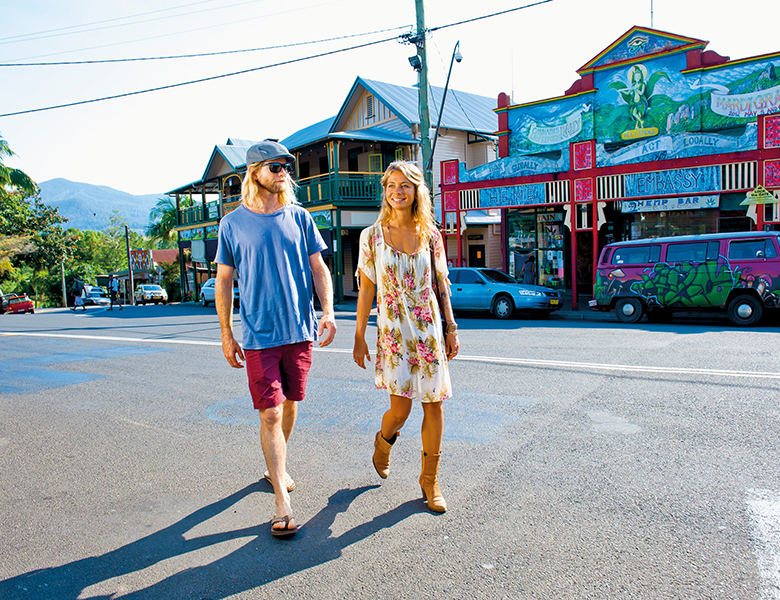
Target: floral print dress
411, 351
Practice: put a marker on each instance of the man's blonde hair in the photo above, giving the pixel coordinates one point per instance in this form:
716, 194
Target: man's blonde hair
422, 207
250, 188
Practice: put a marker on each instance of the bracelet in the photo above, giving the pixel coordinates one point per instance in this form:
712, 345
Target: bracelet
451, 328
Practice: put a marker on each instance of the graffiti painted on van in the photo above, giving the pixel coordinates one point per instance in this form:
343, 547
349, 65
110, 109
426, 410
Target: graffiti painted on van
685, 285
633, 279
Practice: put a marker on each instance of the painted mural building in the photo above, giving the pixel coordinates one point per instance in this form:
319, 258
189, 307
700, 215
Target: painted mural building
658, 137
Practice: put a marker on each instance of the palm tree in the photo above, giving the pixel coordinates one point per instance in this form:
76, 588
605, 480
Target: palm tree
13, 179
162, 220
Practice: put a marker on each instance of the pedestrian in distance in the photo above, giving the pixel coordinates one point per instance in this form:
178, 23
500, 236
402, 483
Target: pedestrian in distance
395, 265
78, 291
529, 270
113, 292
274, 246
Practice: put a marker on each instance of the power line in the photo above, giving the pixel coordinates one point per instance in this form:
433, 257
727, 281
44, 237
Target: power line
503, 12
39, 35
183, 83
201, 55
175, 85
155, 37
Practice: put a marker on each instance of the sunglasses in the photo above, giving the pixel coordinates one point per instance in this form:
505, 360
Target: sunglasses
277, 167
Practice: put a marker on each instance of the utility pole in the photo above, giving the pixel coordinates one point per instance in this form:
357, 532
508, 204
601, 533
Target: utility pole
129, 269
425, 115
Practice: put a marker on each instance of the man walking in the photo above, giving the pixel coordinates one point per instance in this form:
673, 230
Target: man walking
113, 292
273, 246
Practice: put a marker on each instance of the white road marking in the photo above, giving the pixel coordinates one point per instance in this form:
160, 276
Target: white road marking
764, 509
530, 362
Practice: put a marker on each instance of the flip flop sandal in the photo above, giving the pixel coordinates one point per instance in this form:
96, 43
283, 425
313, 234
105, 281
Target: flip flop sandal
287, 531
287, 480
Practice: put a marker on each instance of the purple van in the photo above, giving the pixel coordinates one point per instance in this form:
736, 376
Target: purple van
735, 272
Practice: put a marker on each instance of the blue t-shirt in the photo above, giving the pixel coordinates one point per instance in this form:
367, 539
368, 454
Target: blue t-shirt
270, 253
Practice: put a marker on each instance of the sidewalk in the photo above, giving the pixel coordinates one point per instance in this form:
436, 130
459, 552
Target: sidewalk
567, 313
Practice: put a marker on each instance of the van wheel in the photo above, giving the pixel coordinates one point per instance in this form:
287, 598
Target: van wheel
745, 311
629, 310
503, 307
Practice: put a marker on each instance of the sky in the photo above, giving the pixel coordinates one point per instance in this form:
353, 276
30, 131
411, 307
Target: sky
154, 142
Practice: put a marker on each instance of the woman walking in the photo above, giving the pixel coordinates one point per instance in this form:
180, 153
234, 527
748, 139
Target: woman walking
529, 270
395, 263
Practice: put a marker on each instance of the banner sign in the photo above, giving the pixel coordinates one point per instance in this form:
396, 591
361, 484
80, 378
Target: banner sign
668, 204
141, 260
746, 105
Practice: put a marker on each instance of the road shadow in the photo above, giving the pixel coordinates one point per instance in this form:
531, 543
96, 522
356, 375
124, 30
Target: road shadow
261, 560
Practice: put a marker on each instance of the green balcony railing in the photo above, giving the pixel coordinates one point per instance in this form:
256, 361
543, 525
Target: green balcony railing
194, 214
348, 186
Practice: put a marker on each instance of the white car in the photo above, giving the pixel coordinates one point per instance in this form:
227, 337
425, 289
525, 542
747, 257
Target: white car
96, 296
149, 292
207, 292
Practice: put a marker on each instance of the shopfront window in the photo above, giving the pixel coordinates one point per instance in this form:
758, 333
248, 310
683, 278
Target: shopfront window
521, 239
661, 224
550, 258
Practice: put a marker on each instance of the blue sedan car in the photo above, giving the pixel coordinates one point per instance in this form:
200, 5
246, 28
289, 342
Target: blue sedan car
489, 289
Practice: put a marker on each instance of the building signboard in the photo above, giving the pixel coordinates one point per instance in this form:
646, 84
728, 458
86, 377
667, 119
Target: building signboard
676, 181
668, 204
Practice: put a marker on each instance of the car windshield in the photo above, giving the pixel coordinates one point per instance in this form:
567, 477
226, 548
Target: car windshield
497, 276
152, 288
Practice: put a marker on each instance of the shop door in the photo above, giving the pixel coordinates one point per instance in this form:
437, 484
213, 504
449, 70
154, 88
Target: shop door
477, 255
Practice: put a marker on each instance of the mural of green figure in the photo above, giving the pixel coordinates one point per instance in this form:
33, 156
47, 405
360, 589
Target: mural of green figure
638, 94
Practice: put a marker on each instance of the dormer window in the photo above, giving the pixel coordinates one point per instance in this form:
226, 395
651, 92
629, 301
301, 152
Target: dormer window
369, 106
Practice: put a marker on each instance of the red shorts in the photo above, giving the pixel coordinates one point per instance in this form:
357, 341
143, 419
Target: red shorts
278, 374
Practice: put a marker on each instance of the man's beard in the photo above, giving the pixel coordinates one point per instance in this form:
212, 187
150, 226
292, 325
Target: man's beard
277, 187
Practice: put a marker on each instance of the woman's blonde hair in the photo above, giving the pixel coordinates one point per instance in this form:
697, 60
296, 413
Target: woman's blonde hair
250, 188
422, 208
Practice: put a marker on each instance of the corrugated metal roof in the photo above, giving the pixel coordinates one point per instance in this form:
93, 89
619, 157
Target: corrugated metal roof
234, 155
309, 135
238, 142
375, 134
462, 110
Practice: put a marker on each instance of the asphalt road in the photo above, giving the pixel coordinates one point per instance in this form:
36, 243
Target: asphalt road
581, 459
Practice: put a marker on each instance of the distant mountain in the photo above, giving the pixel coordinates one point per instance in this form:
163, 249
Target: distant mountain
90, 206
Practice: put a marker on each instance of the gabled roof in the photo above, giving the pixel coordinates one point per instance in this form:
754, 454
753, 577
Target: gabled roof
464, 111
309, 135
637, 43
226, 158
238, 142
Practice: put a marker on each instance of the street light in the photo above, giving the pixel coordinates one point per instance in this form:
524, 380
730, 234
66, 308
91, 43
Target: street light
456, 57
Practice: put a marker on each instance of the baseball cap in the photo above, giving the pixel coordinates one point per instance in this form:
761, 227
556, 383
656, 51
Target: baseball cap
267, 150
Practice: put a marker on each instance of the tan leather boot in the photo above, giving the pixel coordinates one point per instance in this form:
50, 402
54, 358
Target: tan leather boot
430, 484
382, 454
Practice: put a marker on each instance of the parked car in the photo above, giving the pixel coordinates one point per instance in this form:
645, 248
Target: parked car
207, 292
735, 272
96, 296
19, 303
502, 294
150, 292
